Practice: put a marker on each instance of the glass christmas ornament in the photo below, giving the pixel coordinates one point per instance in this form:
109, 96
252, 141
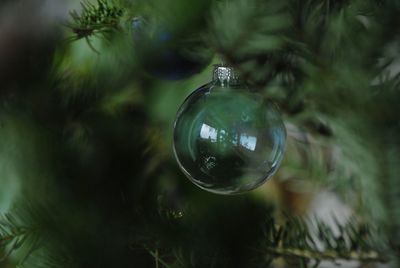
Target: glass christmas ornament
227, 138
165, 54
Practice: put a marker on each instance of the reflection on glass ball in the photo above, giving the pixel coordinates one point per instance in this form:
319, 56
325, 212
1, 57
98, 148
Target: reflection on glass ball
228, 140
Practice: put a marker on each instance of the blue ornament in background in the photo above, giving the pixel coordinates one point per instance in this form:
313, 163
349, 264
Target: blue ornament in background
227, 138
165, 54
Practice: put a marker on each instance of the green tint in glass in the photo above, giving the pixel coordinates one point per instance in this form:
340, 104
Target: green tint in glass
227, 138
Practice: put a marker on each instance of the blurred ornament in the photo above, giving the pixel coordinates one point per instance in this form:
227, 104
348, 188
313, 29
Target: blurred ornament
227, 138
164, 53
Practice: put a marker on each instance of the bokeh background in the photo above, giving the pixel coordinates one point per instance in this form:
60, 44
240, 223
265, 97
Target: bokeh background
88, 98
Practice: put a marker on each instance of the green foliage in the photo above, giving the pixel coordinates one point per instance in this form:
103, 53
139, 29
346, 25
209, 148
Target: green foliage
14, 235
91, 139
249, 34
100, 18
301, 244
321, 62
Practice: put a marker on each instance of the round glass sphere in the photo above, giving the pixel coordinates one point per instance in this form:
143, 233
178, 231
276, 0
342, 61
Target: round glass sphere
227, 138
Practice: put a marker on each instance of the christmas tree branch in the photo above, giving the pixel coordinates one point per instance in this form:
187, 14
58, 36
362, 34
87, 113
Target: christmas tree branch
368, 256
300, 241
296, 240
101, 17
12, 236
157, 259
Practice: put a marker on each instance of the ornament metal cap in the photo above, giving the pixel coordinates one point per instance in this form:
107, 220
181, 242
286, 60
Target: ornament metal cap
225, 74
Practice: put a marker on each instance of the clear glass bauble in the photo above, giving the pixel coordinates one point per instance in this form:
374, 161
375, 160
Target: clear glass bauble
227, 138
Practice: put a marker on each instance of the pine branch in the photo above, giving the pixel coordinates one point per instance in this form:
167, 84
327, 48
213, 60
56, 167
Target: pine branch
157, 259
370, 256
295, 240
100, 18
6, 239
33, 243
24, 232
13, 236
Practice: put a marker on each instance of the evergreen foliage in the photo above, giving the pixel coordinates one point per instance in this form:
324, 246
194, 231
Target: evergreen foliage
87, 175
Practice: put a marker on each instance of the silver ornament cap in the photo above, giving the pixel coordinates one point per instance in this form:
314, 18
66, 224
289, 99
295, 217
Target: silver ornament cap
226, 75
